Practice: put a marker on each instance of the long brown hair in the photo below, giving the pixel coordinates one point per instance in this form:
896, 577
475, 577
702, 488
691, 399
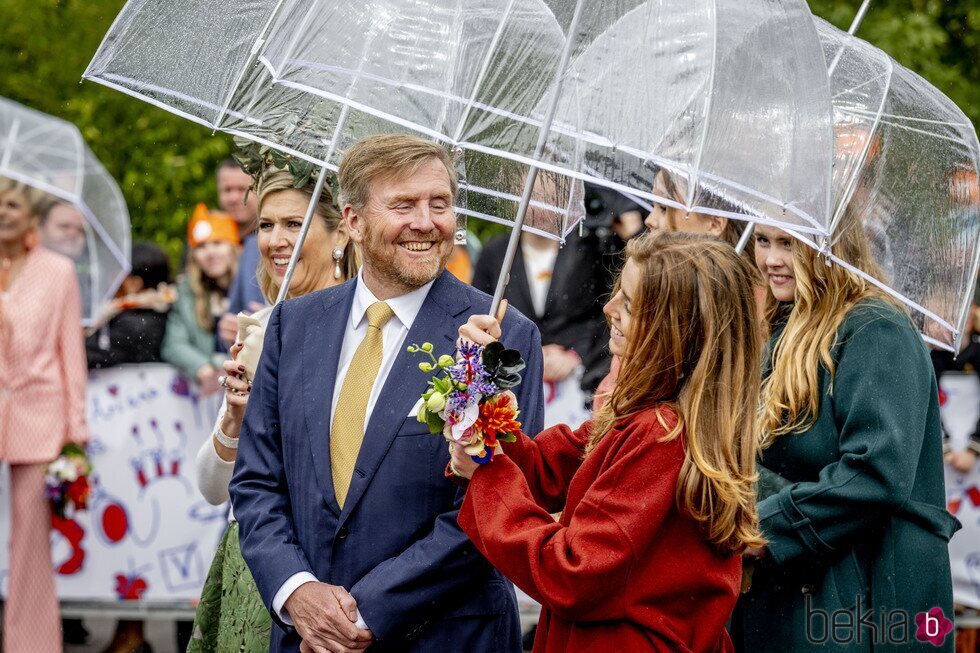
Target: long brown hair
825, 292
275, 180
694, 345
210, 297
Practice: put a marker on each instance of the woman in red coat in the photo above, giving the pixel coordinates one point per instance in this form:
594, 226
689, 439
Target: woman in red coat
656, 493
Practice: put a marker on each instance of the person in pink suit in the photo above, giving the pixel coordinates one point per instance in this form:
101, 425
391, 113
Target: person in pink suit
42, 407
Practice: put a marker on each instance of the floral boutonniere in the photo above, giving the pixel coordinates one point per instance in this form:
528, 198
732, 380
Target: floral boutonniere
469, 399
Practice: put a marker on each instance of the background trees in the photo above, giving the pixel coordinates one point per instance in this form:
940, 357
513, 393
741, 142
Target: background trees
165, 164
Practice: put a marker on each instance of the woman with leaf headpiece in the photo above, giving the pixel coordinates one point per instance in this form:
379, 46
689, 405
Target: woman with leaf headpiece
231, 615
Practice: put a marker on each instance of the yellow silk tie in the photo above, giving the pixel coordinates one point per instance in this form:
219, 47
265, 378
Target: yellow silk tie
347, 432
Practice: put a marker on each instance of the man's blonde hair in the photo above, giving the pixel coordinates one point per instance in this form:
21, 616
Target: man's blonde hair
395, 155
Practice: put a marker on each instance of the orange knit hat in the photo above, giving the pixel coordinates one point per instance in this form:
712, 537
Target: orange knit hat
207, 225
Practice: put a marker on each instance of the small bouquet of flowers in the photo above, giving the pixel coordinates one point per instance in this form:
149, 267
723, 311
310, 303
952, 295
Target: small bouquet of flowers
66, 481
469, 400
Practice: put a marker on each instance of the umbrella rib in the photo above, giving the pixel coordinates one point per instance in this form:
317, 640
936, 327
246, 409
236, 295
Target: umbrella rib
9, 148
853, 182
539, 147
894, 293
696, 169
510, 223
484, 69
860, 86
951, 139
79, 161
296, 36
253, 51
965, 311
110, 81
815, 229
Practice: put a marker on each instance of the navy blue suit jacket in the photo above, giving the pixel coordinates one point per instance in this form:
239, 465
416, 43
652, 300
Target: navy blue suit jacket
418, 582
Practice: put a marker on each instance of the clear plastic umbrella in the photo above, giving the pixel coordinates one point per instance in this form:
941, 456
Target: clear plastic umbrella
730, 96
905, 171
49, 154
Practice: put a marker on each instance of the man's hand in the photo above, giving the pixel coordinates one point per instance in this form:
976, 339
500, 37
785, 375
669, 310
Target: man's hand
324, 617
207, 378
228, 329
559, 362
628, 224
962, 461
756, 552
479, 329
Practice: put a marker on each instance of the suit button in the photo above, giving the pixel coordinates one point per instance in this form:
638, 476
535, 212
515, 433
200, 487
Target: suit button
343, 533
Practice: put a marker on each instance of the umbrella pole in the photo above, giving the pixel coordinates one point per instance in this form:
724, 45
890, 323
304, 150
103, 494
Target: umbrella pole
311, 209
745, 238
301, 238
532, 174
743, 242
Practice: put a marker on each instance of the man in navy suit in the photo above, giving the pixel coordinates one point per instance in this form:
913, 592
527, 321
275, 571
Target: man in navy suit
368, 553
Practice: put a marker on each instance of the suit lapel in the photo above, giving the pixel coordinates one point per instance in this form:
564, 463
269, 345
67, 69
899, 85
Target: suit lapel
558, 277
322, 343
405, 383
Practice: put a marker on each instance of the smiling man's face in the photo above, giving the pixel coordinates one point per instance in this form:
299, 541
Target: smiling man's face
405, 229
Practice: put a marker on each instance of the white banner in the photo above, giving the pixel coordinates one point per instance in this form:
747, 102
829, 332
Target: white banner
963, 490
148, 534
564, 401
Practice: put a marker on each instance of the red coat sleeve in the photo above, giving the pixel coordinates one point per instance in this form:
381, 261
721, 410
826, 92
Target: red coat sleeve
566, 567
549, 461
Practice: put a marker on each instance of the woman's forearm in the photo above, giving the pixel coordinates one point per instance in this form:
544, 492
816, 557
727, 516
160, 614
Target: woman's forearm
231, 426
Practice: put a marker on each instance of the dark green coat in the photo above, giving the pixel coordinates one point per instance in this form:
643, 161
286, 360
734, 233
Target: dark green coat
863, 516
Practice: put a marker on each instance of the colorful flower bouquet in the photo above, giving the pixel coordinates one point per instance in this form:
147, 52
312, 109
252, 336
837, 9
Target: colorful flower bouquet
66, 481
469, 400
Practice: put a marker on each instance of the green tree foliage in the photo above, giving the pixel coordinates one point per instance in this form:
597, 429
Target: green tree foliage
165, 164
939, 39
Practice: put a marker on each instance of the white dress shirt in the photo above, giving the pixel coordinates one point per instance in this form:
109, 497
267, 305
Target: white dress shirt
405, 308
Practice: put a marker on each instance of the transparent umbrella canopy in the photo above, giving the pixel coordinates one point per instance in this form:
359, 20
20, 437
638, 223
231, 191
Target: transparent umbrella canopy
731, 96
905, 172
49, 154
228, 83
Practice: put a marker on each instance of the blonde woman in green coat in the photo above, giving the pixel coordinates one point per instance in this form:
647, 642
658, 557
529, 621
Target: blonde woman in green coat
857, 555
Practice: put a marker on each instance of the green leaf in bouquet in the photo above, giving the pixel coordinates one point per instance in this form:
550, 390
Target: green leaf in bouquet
442, 385
434, 422
73, 450
507, 437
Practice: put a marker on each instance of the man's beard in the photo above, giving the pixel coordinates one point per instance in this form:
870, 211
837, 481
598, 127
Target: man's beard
407, 277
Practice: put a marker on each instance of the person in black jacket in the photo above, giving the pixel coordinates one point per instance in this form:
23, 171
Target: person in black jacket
562, 290
131, 328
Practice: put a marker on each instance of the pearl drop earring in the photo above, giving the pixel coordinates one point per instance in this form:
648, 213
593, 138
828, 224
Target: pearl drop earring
338, 255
